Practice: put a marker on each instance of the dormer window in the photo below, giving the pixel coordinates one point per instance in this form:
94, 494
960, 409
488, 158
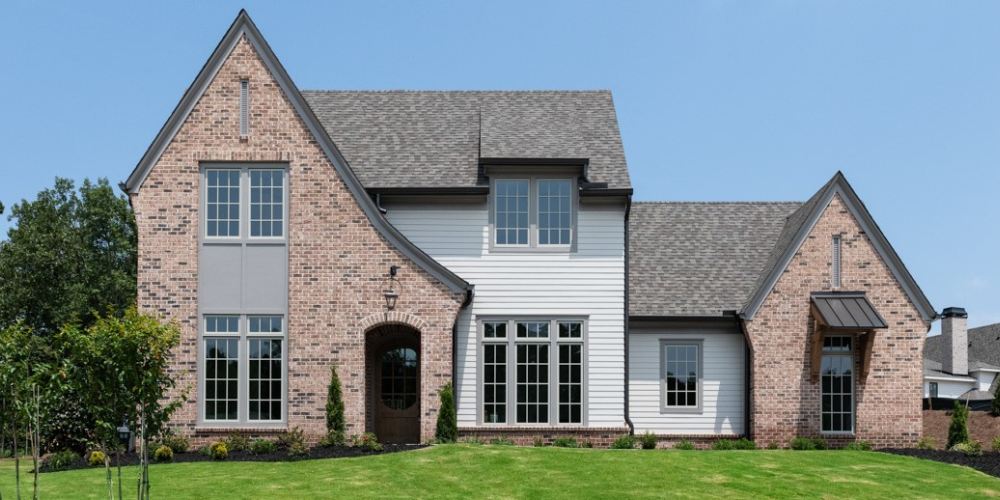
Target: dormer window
533, 212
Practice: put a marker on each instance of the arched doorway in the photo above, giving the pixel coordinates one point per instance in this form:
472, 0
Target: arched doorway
393, 362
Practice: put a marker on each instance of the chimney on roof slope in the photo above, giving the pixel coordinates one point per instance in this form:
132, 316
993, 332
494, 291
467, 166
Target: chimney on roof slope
955, 333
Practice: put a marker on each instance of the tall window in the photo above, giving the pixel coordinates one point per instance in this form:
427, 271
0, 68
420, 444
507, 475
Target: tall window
680, 365
539, 369
934, 389
837, 379
244, 372
533, 213
244, 201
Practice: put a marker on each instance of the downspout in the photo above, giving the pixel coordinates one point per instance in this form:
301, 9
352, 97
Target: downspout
378, 204
628, 211
747, 373
469, 293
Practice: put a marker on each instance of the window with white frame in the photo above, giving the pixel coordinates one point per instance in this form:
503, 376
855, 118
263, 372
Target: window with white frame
244, 200
837, 380
243, 371
680, 375
535, 376
934, 389
533, 213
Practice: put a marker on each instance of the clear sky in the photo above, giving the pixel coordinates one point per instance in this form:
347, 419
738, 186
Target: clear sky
717, 100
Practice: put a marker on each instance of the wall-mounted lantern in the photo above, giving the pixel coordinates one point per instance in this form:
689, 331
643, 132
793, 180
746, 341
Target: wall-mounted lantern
390, 293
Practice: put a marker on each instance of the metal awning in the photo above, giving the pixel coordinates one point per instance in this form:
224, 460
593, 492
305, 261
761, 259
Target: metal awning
847, 311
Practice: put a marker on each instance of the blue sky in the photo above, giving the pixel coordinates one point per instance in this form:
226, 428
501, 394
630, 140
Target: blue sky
716, 100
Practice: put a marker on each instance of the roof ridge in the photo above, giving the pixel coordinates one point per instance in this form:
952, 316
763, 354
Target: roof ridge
465, 91
635, 202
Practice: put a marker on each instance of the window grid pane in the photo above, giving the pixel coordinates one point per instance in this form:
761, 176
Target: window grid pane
265, 379
267, 203
222, 203
265, 324
570, 383
533, 330
495, 330
511, 212
570, 330
221, 378
681, 378
532, 383
554, 212
837, 385
222, 324
399, 378
495, 383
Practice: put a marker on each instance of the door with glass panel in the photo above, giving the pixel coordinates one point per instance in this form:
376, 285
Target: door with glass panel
397, 395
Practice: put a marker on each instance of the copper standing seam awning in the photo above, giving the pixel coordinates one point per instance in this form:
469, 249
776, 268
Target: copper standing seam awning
843, 313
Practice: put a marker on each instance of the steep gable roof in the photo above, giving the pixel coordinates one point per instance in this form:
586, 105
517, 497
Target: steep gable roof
244, 26
984, 349
413, 139
800, 224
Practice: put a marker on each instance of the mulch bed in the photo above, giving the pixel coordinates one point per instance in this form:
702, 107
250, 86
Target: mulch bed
242, 456
988, 463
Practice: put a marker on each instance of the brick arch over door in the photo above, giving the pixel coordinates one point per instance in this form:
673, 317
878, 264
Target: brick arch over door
391, 318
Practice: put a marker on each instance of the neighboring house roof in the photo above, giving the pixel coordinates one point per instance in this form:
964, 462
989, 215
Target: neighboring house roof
436, 139
244, 26
699, 259
984, 354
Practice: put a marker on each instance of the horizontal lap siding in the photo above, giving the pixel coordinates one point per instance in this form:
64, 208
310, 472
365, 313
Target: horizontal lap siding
950, 390
589, 282
723, 383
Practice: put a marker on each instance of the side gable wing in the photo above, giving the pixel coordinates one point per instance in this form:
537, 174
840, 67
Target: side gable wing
244, 26
801, 223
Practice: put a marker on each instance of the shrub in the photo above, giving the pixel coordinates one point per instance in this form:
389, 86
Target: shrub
971, 448
298, 450
995, 444
927, 443
861, 445
96, 458
566, 442
995, 404
367, 441
626, 442
447, 421
588, 444
648, 441
163, 454
261, 446
218, 450
819, 443
287, 439
238, 441
802, 444
176, 442
205, 450
475, 440
684, 444
772, 445
958, 431
538, 442
60, 460
334, 412
744, 444
724, 444
502, 441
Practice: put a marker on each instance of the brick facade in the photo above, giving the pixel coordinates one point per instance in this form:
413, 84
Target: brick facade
784, 402
337, 258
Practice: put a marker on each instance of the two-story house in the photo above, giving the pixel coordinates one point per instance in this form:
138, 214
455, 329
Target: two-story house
490, 239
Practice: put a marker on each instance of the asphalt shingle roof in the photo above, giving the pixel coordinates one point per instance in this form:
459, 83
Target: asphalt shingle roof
699, 259
984, 352
436, 138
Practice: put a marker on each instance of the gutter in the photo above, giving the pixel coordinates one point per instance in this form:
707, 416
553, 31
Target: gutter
628, 212
747, 373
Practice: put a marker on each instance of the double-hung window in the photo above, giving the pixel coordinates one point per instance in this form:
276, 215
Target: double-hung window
244, 202
533, 213
681, 376
837, 379
244, 366
532, 371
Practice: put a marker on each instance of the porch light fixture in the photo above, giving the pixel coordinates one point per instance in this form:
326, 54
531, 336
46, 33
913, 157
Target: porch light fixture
124, 433
390, 294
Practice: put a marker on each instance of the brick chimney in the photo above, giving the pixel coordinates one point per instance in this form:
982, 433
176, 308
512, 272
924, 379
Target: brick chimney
955, 333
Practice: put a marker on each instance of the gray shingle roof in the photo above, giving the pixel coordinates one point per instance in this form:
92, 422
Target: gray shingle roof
984, 348
699, 259
436, 138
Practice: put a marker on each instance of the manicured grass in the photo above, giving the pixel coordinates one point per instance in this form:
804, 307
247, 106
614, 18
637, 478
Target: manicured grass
468, 471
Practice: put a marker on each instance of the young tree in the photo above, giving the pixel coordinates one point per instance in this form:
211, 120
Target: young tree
958, 431
447, 421
335, 409
995, 405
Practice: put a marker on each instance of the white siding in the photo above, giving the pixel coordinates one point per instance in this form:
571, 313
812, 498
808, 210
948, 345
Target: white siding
723, 377
589, 282
948, 389
985, 379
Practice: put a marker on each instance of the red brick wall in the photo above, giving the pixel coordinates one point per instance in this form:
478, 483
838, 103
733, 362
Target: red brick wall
784, 403
337, 259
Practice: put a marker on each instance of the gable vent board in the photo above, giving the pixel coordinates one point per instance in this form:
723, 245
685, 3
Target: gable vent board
835, 274
244, 107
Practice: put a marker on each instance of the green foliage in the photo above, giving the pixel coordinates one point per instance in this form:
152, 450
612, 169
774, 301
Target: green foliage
367, 441
565, 442
995, 404
995, 444
69, 255
474, 440
538, 443
625, 442
927, 443
298, 450
447, 421
238, 441
287, 439
744, 444
96, 458
262, 446
163, 454
819, 443
802, 444
969, 448
218, 450
332, 439
860, 445
587, 444
60, 460
772, 445
684, 444
958, 431
205, 451
648, 441
335, 424
178, 443
724, 444
502, 441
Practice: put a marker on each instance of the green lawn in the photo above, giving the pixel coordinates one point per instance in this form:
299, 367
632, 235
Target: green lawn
468, 471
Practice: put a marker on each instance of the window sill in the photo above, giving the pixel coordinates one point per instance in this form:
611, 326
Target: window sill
250, 427
682, 411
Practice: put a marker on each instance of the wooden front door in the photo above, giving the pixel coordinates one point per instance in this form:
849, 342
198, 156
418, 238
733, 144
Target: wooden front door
397, 395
